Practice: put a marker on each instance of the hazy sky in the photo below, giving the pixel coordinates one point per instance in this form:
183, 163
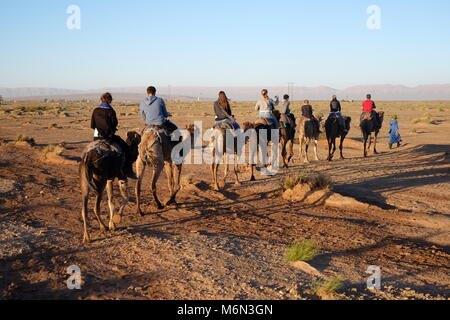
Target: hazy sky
233, 42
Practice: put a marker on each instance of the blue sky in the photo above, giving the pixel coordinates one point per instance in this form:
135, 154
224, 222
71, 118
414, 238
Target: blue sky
230, 43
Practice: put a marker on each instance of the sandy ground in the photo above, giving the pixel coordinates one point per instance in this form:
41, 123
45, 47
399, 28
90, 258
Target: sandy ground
229, 244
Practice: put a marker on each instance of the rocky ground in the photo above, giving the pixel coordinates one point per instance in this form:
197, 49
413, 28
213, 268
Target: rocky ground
229, 244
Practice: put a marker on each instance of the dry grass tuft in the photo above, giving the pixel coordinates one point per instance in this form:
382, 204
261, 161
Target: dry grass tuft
326, 287
302, 251
315, 181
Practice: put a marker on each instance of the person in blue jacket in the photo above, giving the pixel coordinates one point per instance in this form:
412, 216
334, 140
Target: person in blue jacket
154, 112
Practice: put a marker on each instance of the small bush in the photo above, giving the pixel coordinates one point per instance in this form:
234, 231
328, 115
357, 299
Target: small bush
330, 286
22, 138
58, 150
315, 182
425, 119
302, 251
289, 182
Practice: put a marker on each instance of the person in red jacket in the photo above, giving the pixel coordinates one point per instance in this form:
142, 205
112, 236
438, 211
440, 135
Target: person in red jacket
369, 106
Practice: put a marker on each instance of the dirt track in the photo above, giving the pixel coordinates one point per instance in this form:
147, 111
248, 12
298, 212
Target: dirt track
229, 244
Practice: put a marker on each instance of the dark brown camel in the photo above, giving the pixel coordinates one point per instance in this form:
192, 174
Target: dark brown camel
287, 136
368, 126
333, 130
99, 167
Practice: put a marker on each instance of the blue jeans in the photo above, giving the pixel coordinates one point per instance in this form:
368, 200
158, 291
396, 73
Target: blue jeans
270, 115
233, 123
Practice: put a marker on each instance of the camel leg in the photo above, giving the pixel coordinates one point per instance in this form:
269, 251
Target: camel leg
341, 148
110, 192
169, 173
214, 167
252, 168
117, 219
156, 174
225, 171
98, 201
173, 176
301, 148
316, 155
140, 171
306, 152
330, 143
236, 171
84, 208
176, 184
291, 150
375, 143
284, 153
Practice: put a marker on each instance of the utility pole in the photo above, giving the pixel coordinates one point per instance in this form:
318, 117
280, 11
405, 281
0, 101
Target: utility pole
291, 89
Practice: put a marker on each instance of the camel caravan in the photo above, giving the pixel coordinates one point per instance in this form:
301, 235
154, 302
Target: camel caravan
161, 145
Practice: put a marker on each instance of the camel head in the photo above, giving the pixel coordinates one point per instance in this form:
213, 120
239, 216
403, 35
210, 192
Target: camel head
247, 125
133, 140
277, 114
381, 115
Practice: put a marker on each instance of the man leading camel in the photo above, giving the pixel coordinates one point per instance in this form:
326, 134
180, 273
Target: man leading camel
154, 112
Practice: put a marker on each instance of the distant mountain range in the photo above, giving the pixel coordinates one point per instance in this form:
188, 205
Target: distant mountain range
379, 92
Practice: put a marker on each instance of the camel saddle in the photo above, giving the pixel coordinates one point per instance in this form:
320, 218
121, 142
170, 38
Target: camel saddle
264, 122
224, 125
367, 116
104, 148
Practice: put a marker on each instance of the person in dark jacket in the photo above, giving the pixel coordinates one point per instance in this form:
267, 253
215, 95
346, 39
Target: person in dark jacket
286, 117
335, 109
104, 123
307, 112
223, 111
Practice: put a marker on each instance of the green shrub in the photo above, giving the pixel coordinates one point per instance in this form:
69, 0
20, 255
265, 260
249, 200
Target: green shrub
302, 251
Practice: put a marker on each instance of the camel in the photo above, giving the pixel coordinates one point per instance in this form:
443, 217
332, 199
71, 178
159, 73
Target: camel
308, 133
100, 166
334, 131
258, 126
287, 136
368, 127
155, 151
221, 144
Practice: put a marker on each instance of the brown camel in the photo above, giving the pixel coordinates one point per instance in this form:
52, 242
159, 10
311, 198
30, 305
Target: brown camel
155, 151
219, 142
100, 165
308, 133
